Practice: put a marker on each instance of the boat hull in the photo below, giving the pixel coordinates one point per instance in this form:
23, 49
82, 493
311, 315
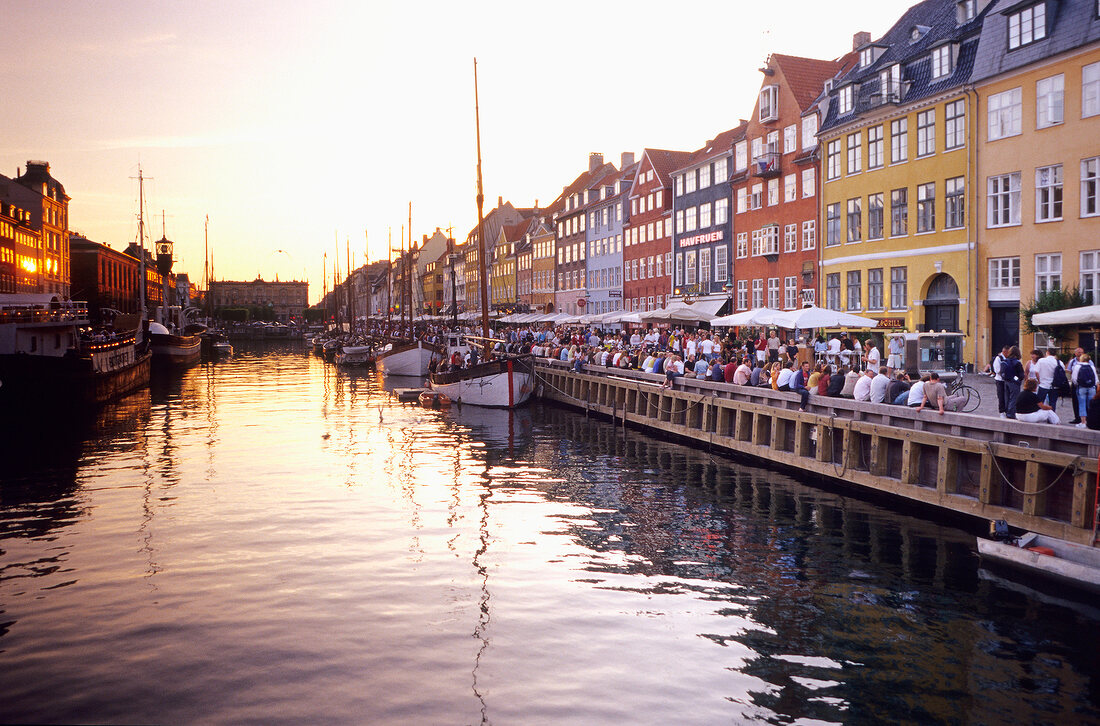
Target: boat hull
175, 350
497, 384
103, 375
1073, 564
408, 359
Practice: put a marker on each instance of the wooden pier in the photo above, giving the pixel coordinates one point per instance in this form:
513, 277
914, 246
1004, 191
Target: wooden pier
1038, 477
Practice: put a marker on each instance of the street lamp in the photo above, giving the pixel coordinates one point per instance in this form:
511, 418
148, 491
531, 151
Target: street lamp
728, 287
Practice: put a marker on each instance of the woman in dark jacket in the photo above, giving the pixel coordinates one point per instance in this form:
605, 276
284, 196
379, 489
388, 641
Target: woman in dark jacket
836, 382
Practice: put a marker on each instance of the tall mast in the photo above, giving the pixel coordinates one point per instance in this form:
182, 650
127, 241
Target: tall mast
408, 283
141, 242
389, 275
336, 278
482, 282
404, 274
324, 289
206, 264
351, 305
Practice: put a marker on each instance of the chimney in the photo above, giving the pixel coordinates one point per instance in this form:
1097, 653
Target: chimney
626, 160
860, 39
595, 161
500, 202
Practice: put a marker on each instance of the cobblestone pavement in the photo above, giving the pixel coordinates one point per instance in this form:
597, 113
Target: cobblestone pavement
988, 390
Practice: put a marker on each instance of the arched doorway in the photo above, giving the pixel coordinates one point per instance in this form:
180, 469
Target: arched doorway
941, 304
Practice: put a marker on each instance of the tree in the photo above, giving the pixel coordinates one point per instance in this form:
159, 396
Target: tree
1049, 301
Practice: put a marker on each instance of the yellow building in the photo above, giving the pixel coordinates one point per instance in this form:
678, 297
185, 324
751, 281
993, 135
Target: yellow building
897, 150
1037, 76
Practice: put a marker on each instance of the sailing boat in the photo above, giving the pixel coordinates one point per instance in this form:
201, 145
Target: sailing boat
503, 381
171, 340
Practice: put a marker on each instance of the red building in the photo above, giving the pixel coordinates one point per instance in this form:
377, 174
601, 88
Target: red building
19, 253
103, 277
647, 231
775, 185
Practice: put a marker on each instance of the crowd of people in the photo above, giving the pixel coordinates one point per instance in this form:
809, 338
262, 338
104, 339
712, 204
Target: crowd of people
1030, 390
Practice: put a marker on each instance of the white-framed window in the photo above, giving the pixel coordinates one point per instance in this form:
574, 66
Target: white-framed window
704, 265
679, 182
721, 174
942, 61
808, 184
926, 132
740, 156
899, 212
846, 99
690, 178
874, 216
721, 263
809, 132
809, 234
773, 293
704, 176
926, 207
1090, 90
954, 116
769, 238
691, 269
889, 84
790, 292
899, 140
1004, 273
954, 202
668, 263
758, 292
1048, 193
1005, 114
855, 219
773, 192
1090, 187
832, 224
1003, 194
721, 211
790, 238
790, 188
790, 139
757, 148
1090, 276
660, 266
742, 244
874, 147
668, 227
855, 289
742, 200
769, 103
833, 159
757, 236
704, 215
679, 221
756, 199
1027, 25
874, 289
742, 294
1050, 101
899, 288
832, 291
679, 268
855, 152
1048, 272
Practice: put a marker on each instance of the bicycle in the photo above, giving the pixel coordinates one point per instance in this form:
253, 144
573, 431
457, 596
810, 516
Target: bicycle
971, 399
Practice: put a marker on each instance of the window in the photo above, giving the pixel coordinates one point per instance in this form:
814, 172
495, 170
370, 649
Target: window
942, 61
833, 156
855, 290
790, 139
773, 293
1005, 114
790, 293
899, 140
1048, 273
742, 244
874, 289
855, 149
679, 221
742, 294
844, 100
773, 192
790, 238
1049, 101
954, 204
757, 147
874, 147
1048, 193
689, 182
866, 57
756, 199
809, 234
855, 220
721, 174
926, 132
889, 84
967, 10
926, 207
1090, 186
721, 264
740, 156
1090, 276
954, 114
691, 271
1090, 90
832, 291
679, 185
809, 132
1004, 273
832, 224
874, 216
899, 212
758, 293
1027, 26
721, 211
704, 216
769, 103
808, 185
704, 265
1004, 200
769, 240
679, 268
742, 200
660, 266
790, 188
899, 288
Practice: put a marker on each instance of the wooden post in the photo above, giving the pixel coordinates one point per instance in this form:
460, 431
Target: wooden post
1083, 505
947, 473
1035, 478
910, 462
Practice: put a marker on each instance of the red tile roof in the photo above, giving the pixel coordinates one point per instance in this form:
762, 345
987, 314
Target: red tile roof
664, 161
805, 76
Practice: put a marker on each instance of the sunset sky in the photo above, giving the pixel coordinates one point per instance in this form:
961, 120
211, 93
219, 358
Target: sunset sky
294, 125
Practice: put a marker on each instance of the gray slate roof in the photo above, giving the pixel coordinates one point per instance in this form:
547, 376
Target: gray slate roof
1070, 24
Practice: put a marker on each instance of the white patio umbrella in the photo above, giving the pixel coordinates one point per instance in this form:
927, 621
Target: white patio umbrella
815, 317
1090, 314
683, 313
756, 316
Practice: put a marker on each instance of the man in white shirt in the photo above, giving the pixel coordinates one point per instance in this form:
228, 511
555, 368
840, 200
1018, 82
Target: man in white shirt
706, 347
833, 350
916, 393
741, 375
783, 382
862, 390
879, 384
872, 356
692, 347
896, 350
1045, 368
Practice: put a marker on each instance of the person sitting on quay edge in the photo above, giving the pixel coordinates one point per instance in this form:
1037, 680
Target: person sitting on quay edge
850, 380
718, 370
674, 368
798, 384
743, 373
701, 367
1030, 408
824, 381
837, 382
935, 396
862, 390
898, 387
758, 375
730, 370
879, 384
815, 377
783, 383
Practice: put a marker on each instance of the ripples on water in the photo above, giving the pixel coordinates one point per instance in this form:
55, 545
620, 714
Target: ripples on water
271, 541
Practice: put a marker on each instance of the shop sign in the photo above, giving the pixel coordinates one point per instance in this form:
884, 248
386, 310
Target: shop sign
891, 322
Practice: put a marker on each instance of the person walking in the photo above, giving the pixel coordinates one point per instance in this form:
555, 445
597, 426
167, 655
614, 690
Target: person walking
1085, 384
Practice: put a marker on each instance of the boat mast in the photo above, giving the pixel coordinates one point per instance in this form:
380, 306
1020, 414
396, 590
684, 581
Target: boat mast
408, 276
351, 304
141, 244
481, 222
389, 278
404, 274
324, 288
206, 266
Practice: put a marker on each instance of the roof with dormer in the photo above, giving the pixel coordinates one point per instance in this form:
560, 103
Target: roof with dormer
805, 76
720, 145
1071, 24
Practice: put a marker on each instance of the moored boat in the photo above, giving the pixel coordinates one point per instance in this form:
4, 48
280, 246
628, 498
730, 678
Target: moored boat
355, 355
411, 358
1056, 559
501, 383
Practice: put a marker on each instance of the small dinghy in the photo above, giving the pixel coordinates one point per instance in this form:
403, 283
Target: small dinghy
1068, 562
434, 399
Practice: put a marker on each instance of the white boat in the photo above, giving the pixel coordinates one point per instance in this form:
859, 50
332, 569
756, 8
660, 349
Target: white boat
407, 359
1057, 559
503, 383
355, 355
173, 348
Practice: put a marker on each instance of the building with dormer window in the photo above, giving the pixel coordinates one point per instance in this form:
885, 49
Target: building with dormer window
898, 152
570, 218
604, 261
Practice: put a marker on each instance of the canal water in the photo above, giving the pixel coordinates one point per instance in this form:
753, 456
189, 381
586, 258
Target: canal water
271, 541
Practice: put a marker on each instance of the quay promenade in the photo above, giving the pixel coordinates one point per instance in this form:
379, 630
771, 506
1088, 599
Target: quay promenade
1037, 477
